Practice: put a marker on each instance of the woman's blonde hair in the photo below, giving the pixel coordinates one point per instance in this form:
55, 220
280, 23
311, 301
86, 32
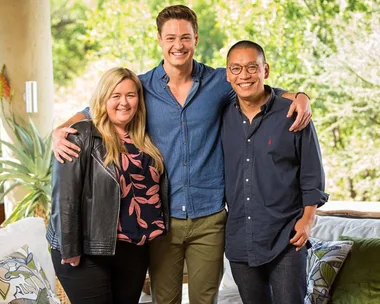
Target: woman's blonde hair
136, 127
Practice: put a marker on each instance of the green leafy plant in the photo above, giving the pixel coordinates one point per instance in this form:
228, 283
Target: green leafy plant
29, 165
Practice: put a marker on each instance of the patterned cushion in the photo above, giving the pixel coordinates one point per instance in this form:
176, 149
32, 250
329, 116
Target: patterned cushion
325, 259
23, 281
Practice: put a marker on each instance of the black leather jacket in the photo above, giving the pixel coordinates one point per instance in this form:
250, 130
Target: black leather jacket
86, 199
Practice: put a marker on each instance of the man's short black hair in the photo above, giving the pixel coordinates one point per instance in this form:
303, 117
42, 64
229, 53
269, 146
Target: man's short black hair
247, 44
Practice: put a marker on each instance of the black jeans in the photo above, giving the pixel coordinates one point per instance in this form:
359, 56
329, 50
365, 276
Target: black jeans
281, 281
114, 279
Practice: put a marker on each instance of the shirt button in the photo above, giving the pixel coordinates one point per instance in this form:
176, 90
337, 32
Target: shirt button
247, 159
249, 217
249, 140
247, 180
182, 122
185, 185
247, 198
244, 121
183, 208
184, 143
185, 164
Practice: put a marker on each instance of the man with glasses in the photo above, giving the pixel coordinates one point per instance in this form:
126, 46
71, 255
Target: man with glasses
274, 182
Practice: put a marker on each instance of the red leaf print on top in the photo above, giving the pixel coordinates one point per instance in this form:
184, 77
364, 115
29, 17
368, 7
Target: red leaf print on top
139, 186
124, 162
123, 237
124, 188
153, 190
137, 163
142, 223
140, 204
141, 200
154, 173
159, 223
155, 234
154, 199
142, 242
138, 211
137, 177
132, 206
122, 180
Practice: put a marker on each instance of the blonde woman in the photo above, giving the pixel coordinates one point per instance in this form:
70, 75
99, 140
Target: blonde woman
108, 204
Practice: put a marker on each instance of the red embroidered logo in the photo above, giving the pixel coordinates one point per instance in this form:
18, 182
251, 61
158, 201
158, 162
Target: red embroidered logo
269, 142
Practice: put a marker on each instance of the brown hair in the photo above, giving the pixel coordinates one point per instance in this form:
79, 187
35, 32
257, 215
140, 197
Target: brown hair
177, 12
136, 127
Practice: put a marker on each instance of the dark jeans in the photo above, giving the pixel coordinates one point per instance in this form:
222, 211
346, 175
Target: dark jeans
281, 281
114, 279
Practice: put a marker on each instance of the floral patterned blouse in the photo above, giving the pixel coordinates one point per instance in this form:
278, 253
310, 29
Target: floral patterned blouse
141, 218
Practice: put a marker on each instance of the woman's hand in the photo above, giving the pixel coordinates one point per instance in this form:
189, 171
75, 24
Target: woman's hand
72, 261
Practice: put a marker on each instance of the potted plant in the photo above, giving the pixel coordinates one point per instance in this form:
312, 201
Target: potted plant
30, 163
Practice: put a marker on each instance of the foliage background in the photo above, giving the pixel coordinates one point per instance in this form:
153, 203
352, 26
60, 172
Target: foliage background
328, 48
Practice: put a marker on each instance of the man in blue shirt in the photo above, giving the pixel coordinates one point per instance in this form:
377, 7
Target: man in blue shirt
274, 182
184, 101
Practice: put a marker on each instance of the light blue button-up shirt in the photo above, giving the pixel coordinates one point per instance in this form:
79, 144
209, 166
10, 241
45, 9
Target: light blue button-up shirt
189, 137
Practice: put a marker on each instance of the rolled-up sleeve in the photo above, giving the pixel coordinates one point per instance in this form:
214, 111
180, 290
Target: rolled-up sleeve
86, 112
312, 176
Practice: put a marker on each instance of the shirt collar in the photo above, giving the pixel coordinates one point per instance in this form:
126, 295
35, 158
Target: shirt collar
196, 73
266, 107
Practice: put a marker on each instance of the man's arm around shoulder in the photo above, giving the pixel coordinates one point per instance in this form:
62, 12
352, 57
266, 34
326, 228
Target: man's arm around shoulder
62, 148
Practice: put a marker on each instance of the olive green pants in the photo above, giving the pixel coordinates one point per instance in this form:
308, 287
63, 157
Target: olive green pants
201, 243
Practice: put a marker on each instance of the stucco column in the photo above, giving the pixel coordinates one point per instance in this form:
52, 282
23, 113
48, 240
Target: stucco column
26, 50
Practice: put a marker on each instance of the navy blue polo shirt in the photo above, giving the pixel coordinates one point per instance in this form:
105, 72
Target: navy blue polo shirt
271, 174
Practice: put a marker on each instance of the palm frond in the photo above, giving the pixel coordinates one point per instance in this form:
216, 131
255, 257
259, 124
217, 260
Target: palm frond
30, 166
19, 154
9, 189
24, 208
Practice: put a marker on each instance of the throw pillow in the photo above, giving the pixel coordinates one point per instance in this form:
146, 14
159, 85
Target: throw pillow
31, 231
22, 280
359, 280
325, 259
